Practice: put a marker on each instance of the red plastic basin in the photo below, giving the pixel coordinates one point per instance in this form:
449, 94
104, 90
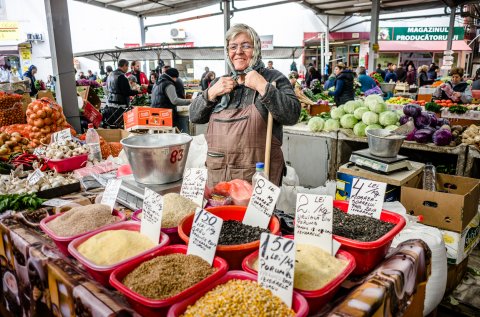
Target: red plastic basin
62, 242
234, 254
368, 254
101, 273
318, 298
150, 307
68, 164
171, 232
299, 304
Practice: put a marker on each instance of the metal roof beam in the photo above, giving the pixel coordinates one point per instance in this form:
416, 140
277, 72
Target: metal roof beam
105, 5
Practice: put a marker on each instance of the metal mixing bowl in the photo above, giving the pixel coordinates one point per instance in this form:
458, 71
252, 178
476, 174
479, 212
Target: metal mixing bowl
381, 145
157, 158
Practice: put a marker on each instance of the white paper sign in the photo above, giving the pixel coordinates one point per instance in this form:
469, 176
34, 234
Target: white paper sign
56, 202
152, 211
34, 177
313, 221
261, 205
366, 198
111, 191
204, 236
39, 151
277, 265
193, 185
62, 136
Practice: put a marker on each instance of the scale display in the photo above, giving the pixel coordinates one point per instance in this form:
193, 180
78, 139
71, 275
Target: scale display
363, 158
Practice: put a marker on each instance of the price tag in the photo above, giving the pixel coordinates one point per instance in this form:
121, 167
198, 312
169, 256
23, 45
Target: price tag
193, 185
261, 205
62, 136
111, 191
277, 265
152, 211
39, 151
366, 198
204, 235
56, 202
313, 221
34, 177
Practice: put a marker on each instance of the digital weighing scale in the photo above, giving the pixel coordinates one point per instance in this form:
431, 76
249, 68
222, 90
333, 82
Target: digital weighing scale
384, 165
131, 193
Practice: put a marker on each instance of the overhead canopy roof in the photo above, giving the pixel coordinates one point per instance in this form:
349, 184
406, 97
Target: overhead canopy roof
328, 7
194, 53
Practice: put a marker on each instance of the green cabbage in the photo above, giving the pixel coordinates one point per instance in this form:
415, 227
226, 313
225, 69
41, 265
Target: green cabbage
351, 105
348, 121
358, 113
315, 124
369, 118
372, 127
331, 125
375, 103
388, 118
391, 127
337, 112
359, 129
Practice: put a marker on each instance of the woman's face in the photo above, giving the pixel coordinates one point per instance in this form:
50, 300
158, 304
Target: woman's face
240, 51
152, 78
456, 78
410, 67
337, 70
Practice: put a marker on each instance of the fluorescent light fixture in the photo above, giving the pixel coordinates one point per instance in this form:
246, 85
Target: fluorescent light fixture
362, 4
334, 43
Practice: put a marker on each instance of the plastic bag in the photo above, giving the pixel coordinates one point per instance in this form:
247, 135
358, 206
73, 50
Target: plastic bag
197, 154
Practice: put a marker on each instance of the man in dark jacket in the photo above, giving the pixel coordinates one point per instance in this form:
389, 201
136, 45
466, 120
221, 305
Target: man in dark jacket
401, 73
344, 90
118, 96
164, 95
179, 86
30, 74
380, 71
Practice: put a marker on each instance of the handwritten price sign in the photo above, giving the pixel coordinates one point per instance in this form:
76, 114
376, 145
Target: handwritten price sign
152, 212
35, 177
204, 235
62, 136
366, 198
193, 185
111, 191
261, 205
277, 265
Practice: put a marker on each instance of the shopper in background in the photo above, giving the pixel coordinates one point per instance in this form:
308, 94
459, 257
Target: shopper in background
270, 65
411, 75
5, 70
30, 74
152, 82
142, 79
293, 77
236, 107
81, 75
344, 90
423, 77
179, 86
380, 71
312, 74
91, 76
204, 74
401, 73
366, 81
330, 82
390, 76
132, 81
109, 70
164, 95
456, 89
476, 80
119, 93
207, 80
50, 83
432, 72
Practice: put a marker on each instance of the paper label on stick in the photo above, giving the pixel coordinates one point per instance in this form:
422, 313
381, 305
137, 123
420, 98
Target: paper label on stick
193, 185
261, 205
366, 198
313, 221
62, 136
152, 211
35, 177
56, 202
204, 235
276, 265
111, 191
39, 151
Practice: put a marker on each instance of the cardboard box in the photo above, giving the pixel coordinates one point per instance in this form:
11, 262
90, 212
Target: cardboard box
146, 117
344, 187
113, 135
451, 208
455, 275
460, 245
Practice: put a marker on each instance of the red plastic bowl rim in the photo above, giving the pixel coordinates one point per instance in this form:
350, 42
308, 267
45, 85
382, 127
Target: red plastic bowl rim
76, 157
51, 234
126, 268
253, 244
103, 268
341, 254
376, 243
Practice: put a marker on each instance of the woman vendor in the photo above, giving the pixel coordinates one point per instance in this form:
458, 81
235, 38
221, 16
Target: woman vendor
236, 107
456, 89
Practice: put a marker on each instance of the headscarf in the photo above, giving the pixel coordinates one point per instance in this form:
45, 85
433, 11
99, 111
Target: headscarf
255, 63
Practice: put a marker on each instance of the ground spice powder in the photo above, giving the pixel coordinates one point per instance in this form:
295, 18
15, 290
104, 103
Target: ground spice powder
239, 298
167, 275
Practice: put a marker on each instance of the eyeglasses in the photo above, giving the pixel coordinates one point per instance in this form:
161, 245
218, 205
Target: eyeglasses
244, 47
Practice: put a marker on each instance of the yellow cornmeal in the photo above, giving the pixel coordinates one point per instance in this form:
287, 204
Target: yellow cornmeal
314, 268
112, 246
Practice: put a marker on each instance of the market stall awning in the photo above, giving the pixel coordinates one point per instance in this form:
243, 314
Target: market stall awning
421, 46
193, 53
